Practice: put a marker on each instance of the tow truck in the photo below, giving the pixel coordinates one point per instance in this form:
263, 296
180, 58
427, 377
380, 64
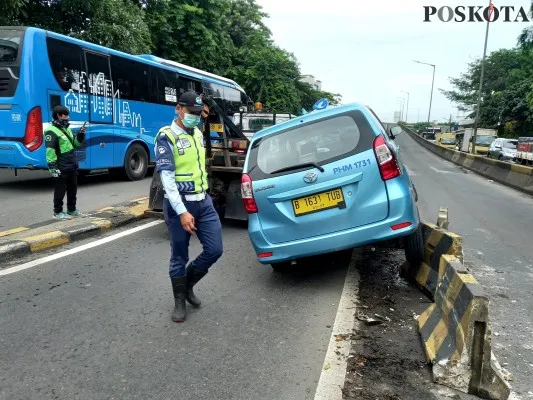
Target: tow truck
225, 156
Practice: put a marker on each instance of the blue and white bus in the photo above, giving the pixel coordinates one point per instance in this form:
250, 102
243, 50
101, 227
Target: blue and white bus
124, 99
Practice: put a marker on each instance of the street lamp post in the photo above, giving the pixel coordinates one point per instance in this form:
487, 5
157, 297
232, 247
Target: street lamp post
401, 100
432, 83
476, 121
407, 107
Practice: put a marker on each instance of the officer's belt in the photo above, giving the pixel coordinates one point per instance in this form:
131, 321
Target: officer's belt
191, 197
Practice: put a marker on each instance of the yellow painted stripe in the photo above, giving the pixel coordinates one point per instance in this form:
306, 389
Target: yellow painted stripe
46, 240
521, 169
138, 210
422, 274
436, 339
139, 199
434, 238
443, 262
13, 231
468, 278
104, 224
105, 209
422, 318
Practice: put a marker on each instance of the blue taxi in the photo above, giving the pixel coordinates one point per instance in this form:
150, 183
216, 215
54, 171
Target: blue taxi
327, 181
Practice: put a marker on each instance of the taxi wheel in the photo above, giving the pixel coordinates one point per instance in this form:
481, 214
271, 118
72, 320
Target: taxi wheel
281, 267
414, 247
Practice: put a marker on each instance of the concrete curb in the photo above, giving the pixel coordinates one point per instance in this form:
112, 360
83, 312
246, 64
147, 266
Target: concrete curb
518, 177
455, 330
95, 224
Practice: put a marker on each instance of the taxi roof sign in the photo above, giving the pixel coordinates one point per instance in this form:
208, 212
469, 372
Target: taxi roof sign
321, 104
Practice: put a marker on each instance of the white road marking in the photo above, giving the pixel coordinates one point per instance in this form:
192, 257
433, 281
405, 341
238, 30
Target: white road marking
78, 249
333, 372
440, 171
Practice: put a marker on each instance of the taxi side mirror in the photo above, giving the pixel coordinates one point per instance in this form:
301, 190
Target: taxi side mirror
395, 131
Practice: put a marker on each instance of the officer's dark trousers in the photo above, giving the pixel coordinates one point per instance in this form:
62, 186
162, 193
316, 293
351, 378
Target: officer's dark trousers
67, 183
208, 230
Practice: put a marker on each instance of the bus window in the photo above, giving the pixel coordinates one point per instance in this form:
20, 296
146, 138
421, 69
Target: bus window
66, 63
186, 83
130, 79
167, 86
101, 88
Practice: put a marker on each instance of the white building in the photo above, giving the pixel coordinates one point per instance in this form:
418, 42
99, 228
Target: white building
310, 79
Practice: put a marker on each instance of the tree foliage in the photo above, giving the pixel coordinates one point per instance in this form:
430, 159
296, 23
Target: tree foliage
525, 40
226, 37
506, 93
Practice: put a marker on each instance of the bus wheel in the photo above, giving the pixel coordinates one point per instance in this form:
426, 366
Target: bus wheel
135, 163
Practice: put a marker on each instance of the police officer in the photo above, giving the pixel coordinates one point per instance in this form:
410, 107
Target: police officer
62, 163
187, 207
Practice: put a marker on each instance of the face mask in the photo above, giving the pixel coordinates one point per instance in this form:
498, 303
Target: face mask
63, 123
190, 120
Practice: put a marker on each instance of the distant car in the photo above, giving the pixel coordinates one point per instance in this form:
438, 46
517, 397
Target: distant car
483, 143
327, 181
503, 149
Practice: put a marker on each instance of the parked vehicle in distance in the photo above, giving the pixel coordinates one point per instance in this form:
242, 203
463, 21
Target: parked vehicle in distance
447, 140
431, 133
503, 149
524, 151
484, 138
327, 181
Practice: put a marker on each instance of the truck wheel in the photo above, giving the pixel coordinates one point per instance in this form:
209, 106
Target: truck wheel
282, 266
414, 246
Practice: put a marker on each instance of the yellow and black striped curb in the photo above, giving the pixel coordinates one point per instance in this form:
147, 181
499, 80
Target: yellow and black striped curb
21, 241
456, 334
518, 177
437, 243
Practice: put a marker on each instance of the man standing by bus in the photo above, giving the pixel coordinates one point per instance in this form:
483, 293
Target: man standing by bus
187, 207
62, 162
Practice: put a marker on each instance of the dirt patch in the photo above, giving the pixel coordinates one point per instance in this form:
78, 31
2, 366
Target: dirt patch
387, 360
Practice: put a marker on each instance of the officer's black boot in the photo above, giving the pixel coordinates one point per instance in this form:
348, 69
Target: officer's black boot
179, 287
193, 277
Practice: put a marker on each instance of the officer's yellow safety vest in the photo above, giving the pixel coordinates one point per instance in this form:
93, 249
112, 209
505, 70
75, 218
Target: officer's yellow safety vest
189, 159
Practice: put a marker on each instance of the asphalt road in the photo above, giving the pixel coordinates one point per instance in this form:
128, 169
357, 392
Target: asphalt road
27, 198
96, 325
496, 225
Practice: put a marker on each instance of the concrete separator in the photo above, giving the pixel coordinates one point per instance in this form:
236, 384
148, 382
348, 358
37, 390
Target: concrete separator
20, 241
518, 177
455, 330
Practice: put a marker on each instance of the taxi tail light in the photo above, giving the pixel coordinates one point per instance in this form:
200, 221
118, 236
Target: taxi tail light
248, 194
33, 136
388, 167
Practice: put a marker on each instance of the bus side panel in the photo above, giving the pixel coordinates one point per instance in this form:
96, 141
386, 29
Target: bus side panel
136, 121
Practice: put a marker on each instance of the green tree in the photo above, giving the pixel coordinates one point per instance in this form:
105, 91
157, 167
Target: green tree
192, 32
112, 23
506, 87
525, 40
309, 96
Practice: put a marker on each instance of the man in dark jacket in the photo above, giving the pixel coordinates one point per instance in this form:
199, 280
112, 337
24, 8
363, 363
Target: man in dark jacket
62, 162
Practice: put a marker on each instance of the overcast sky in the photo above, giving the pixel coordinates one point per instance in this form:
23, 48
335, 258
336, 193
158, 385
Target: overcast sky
364, 49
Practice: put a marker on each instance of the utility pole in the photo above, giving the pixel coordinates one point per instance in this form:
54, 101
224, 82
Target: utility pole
407, 108
432, 84
476, 122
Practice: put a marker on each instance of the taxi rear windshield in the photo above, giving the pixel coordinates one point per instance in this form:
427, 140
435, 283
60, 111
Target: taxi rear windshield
319, 142
10, 41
